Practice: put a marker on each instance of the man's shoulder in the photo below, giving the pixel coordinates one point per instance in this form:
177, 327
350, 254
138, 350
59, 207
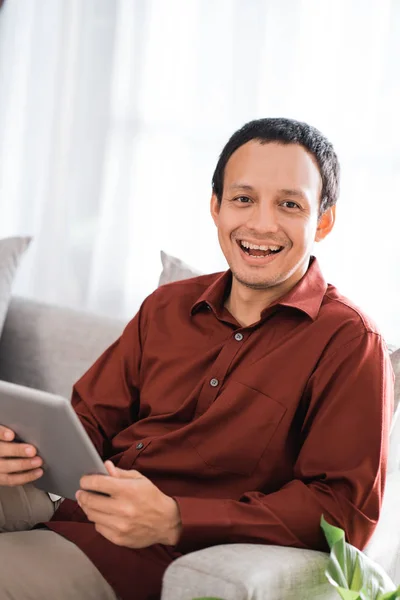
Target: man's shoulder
344, 329
343, 312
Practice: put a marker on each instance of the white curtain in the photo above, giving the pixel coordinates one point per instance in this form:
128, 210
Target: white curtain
113, 113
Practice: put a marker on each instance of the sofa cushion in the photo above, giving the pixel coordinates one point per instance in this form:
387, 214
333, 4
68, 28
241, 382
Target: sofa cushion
11, 250
50, 347
174, 269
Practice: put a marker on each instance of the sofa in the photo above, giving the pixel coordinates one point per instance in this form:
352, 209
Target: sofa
49, 347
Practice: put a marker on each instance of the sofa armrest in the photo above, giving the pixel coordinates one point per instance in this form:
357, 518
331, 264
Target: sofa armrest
249, 572
258, 572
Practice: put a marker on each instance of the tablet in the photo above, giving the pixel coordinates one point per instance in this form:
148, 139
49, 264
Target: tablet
49, 423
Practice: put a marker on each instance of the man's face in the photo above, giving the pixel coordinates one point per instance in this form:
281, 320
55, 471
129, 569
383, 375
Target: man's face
270, 199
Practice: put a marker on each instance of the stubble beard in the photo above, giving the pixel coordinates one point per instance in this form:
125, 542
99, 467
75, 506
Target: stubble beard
257, 285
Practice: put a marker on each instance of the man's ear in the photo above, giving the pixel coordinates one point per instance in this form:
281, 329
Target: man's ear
325, 223
214, 208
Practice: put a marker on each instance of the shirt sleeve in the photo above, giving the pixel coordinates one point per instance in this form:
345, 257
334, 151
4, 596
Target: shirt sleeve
340, 470
106, 398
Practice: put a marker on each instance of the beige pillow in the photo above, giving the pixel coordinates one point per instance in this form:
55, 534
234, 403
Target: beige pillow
175, 269
11, 250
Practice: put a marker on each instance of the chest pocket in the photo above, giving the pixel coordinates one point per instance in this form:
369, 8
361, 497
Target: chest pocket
236, 429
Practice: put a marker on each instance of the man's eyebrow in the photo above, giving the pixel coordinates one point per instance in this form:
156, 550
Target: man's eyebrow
295, 193
241, 186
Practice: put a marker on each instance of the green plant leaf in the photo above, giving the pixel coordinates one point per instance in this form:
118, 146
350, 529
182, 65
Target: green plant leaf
333, 534
343, 568
391, 595
348, 594
352, 573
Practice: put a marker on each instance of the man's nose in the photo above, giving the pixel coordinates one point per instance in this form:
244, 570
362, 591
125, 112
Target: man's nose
264, 218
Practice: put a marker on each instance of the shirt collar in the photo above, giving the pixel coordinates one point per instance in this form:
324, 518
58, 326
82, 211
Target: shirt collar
214, 296
307, 294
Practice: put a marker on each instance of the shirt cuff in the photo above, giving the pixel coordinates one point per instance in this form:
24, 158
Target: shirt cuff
205, 523
54, 497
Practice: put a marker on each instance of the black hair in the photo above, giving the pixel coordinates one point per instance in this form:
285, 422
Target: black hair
285, 131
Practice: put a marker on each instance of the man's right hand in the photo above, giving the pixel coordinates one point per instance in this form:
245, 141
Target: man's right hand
18, 462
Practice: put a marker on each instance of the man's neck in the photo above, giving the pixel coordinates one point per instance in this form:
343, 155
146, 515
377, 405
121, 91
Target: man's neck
246, 305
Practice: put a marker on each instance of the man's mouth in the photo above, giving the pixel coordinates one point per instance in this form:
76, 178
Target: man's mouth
256, 250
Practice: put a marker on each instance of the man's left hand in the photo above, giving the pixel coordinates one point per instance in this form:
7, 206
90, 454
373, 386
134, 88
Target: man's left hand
136, 514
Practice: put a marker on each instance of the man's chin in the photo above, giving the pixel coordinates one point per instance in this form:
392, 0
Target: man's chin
256, 283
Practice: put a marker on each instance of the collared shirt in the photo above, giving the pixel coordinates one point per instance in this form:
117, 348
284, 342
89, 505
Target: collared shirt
255, 431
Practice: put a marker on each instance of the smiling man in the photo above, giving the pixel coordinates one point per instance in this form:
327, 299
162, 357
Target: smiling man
235, 407
268, 213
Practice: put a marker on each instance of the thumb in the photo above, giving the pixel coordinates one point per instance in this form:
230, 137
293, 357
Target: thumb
110, 468
121, 473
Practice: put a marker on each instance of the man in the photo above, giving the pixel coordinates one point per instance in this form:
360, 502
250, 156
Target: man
235, 407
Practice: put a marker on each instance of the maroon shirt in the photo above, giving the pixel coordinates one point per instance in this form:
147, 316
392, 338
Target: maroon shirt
255, 431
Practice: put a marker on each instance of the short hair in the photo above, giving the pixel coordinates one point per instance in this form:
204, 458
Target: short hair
286, 131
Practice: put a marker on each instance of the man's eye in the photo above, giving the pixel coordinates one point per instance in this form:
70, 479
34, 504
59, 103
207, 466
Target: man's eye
243, 199
290, 204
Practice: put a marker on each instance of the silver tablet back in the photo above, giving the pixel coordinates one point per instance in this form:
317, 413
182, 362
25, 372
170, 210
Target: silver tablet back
49, 423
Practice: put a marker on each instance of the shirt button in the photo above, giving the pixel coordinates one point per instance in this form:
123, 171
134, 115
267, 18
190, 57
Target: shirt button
238, 337
139, 446
214, 382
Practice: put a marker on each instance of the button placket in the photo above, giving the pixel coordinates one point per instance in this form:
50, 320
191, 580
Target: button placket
216, 377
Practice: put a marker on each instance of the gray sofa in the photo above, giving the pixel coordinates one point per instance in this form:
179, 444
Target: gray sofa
48, 347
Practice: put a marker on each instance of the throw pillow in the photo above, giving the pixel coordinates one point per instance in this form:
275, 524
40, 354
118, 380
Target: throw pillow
11, 250
175, 269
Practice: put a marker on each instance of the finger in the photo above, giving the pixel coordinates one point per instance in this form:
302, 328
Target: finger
106, 519
103, 519
110, 468
104, 484
15, 479
6, 434
17, 465
124, 474
14, 449
90, 501
113, 486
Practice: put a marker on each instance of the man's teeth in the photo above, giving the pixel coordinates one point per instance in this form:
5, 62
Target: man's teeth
255, 247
